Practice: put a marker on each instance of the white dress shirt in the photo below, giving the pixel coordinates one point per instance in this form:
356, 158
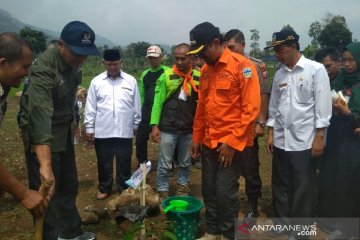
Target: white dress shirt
113, 108
300, 102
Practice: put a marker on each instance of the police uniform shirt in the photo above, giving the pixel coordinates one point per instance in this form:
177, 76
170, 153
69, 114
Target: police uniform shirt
262, 73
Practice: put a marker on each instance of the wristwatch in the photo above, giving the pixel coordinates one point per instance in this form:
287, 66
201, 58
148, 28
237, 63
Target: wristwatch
261, 124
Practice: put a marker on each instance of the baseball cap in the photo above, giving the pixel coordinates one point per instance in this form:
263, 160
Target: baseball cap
282, 37
111, 55
80, 38
153, 51
201, 35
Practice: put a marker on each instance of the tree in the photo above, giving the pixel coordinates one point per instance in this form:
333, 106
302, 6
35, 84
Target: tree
36, 39
136, 50
310, 50
314, 32
287, 27
329, 17
335, 34
134, 57
254, 45
332, 31
269, 51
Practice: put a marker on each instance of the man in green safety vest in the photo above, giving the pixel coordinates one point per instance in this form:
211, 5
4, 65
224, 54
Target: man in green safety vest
172, 119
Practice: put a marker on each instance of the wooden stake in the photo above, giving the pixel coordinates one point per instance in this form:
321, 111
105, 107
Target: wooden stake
39, 222
142, 199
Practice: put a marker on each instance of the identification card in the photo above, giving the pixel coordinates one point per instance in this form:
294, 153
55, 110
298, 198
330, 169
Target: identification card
182, 95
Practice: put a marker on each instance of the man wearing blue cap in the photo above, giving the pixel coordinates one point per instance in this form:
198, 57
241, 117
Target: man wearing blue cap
299, 113
47, 123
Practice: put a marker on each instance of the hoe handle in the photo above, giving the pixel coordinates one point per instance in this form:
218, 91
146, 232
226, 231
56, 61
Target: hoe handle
39, 221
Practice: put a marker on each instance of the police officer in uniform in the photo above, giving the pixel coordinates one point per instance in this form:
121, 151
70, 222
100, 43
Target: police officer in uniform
235, 41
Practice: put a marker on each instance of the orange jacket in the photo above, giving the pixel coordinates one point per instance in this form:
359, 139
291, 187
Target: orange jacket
229, 102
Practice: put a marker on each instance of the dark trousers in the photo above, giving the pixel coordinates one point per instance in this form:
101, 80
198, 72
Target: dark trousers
293, 184
220, 191
250, 171
142, 137
106, 149
62, 218
339, 191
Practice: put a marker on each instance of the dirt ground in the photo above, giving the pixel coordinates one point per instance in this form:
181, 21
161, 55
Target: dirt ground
16, 222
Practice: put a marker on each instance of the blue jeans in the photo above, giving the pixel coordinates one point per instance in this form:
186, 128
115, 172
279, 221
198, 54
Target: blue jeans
168, 142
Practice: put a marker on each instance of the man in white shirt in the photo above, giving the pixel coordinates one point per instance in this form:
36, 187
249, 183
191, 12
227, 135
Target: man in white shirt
112, 115
299, 112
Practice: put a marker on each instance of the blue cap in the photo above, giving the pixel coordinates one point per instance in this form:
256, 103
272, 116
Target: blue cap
80, 38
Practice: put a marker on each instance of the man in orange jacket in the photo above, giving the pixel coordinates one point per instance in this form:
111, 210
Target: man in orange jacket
229, 102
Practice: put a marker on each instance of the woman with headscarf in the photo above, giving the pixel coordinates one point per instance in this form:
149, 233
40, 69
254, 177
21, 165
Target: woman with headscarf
340, 172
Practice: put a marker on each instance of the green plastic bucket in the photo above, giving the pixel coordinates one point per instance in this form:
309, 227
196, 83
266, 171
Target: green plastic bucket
177, 205
185, 222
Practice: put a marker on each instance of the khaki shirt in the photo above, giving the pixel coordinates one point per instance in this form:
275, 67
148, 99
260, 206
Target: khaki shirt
263, 74
47, 108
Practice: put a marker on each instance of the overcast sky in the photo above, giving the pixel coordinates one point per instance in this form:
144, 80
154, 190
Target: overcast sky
169, 21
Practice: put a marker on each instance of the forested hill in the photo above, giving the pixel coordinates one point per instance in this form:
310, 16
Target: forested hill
9, 23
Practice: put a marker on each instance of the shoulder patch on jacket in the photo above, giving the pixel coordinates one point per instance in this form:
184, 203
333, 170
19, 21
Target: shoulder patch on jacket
262, 67
173, 77
247, 73
263, 70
